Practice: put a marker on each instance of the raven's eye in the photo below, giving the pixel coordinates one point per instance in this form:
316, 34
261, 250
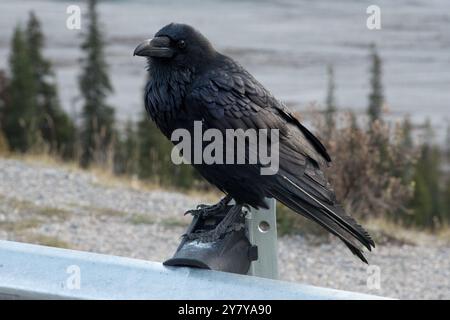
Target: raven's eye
181, 44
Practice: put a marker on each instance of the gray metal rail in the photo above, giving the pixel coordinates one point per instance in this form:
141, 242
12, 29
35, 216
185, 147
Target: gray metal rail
30, 271
261, 226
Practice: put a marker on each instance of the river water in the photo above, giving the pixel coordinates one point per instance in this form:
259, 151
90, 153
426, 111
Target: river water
286, 44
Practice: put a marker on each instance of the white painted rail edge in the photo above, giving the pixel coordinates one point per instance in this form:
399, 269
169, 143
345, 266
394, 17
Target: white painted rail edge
37, 272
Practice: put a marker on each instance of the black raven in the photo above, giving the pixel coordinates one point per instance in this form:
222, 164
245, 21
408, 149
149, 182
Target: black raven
190, 81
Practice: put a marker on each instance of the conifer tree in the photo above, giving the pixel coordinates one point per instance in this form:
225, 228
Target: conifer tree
330, 110
446, 199
154, 152
97, 129
407, 140
406, 145
427, 202
131, 148
154, 157
376, 98
428, 132
126, 150
353, 121
20, 117
447, 144
55, 126
4, 97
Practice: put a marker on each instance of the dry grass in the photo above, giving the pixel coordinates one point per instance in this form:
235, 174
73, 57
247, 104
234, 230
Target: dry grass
138, 219
444, 234
174, 222
46, 241
4, 148
105, 177
20, 225
383, 230
386, 231
105, 211
28, 208
54, 213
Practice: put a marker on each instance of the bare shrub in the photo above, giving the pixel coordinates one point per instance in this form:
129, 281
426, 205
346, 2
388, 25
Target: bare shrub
372, 169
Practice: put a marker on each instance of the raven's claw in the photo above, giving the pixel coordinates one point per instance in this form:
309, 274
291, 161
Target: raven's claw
228, 224
205, 211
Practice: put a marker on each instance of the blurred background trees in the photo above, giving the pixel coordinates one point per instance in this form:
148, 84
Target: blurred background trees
330, 103
20, 119
376, 98
4, 101
57, 130
97, 127
31, 114
380, 169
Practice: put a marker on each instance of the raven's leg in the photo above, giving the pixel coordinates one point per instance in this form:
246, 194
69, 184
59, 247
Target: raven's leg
204, 210
227, 224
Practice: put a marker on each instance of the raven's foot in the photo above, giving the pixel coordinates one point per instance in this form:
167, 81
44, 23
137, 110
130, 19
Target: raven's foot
205, 211
228, 224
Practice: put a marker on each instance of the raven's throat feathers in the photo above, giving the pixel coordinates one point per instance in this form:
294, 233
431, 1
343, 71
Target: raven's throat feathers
165, 93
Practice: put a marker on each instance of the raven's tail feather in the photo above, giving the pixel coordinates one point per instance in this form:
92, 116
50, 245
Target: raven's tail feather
333, 218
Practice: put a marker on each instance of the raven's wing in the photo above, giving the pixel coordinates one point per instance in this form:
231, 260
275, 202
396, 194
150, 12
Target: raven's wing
230, 98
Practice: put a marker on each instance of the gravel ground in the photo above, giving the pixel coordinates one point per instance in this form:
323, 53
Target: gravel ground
65, 207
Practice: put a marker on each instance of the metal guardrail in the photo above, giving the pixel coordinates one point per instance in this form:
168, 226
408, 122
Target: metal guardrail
261, 226
37, 272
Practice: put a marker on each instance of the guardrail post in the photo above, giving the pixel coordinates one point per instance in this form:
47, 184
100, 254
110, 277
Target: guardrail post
261, 227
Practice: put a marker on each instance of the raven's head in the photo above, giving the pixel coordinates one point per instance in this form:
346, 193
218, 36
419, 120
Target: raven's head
177, 44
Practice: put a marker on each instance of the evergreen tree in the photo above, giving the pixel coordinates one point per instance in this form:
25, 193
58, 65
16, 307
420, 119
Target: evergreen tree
421, 203
354, 141
154, 152
20, 118
378, 139
447, 144
97, 117
126, 151
131, 148
407, 140
4, 147
353, 121
4, 98
330, 101
428, 209
428, 132
376, 98
56, 128
446, 191
406, 145
154, 157
427, 202
186, 176
446, 200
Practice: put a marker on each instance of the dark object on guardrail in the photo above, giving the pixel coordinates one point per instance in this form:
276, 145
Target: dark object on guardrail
232, 252
251, 250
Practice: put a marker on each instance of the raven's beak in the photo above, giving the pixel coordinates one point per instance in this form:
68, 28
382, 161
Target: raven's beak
157, 47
